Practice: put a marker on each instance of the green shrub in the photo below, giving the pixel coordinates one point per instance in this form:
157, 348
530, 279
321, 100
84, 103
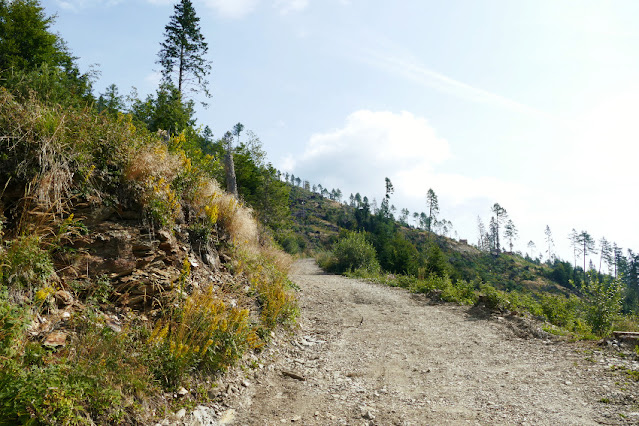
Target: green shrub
202, 335
435, 261
559, 310
601, 303
97, 377
25, 265
494, 299
352, 252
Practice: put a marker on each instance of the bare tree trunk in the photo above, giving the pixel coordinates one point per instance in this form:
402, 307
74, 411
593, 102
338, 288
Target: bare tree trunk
229, 166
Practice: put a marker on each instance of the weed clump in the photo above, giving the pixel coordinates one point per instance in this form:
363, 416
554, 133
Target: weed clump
203, 334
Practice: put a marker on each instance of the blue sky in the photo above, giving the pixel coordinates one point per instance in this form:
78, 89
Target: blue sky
531, 104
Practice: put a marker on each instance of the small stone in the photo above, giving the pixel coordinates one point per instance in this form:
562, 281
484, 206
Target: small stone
55, 339
180, 414
317, 413
182, 391
366, 413
296, 419
66, 316
114, 325
568, 383
227, 417
245, 383
63, 298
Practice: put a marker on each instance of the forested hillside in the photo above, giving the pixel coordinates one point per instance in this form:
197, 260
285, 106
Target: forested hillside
359, 238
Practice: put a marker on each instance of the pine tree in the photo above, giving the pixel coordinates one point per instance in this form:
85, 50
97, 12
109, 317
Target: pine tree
511, 233
587, 245
433, 208
183, 51
531, 247
500, 215
549, 243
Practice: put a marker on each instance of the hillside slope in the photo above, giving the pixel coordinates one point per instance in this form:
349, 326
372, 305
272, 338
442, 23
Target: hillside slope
129, 281
318, 221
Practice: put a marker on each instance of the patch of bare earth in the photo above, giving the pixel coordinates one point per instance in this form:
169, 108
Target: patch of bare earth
367, 354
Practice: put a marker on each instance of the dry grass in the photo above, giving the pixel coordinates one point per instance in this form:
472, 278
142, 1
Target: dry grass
153, 161
224, 210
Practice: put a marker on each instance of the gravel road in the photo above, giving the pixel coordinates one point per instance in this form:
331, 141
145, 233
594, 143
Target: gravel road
366, 354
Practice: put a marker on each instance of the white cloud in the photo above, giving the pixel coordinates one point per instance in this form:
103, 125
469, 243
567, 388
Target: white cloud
396, 60
76, 5
232, 8
288, 6
373, 145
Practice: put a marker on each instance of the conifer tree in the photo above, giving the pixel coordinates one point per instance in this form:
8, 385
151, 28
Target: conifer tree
433, 208
549, 243
500, 215
183, 51
511, 233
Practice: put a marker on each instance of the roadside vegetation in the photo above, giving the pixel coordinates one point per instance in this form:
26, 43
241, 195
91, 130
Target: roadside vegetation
382, 249
76, 345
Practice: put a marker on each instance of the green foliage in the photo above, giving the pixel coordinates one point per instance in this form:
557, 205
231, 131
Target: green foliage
24, 265
560, 310
352, 252
99, 378
444, 288
167, 110
435, 261
13, 321
399, 255
494, 299
202, 335
267, 275
183, 49
32, 58
601, 303
257, 182
290, 242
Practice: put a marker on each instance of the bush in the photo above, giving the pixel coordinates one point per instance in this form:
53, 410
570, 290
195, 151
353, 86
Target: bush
353, 252
559, 310
97, 377
601, 303
203, 334
494, 299
24, 265
399, 256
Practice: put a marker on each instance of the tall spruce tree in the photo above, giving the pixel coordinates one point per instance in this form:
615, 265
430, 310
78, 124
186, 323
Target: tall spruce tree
433, 209
183, 51
500, 215
549, 243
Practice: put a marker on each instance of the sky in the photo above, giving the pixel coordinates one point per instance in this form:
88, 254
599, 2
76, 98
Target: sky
531, 104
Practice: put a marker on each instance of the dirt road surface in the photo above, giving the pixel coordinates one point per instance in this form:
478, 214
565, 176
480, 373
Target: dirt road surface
366, 354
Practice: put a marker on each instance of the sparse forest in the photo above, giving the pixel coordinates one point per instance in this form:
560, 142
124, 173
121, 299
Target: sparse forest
423, 257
